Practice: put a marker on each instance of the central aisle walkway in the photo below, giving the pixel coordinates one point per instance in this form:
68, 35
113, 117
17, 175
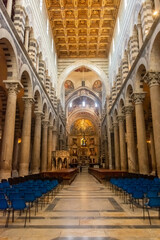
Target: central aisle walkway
84, 210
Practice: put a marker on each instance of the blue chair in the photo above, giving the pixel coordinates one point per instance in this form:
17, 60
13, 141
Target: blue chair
4, 206
19, 205
152, 203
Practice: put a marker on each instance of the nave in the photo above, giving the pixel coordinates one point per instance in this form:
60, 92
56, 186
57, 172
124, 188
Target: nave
85, 209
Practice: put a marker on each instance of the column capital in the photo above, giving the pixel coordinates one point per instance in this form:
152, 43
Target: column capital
28, 102
38, 113
128, 109
27, 28
12, 86
152, 78
115, 124
120, 118
138, 97
50, 127
45, 123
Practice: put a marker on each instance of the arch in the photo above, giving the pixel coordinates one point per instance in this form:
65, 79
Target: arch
9, 48
38, 101
138, 84
129, 92
154, 52
26, 80
87, 64
45, 110
120, 106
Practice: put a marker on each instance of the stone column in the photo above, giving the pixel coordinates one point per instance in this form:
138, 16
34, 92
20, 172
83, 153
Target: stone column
26, 38
141, 133
130, 139
140, 37
50, 143
125, 68
122, 141
41, 71
35, 166
116, 146
32, 50
9, 128
26, 138
9, 7
133, 46
19, 20
54, 146
153, 80
15, 157
37, 63
157, 5
146, 17
44, 145
153, 155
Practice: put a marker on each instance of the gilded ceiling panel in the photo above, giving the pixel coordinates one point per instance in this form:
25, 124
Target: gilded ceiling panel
82, 28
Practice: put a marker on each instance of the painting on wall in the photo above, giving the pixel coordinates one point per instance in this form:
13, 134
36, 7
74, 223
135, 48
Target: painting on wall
69, 86
97, 86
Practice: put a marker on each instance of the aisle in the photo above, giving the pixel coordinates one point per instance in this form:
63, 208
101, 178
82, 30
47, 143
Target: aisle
84, 210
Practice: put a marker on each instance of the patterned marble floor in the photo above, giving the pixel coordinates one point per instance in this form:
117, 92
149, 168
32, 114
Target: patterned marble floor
84, 210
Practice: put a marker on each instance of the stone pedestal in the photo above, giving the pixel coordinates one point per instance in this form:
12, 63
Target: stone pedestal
26, 138
141, 133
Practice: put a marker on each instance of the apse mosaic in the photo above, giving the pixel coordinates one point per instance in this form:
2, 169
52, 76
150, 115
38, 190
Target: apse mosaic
83, 127
97, 86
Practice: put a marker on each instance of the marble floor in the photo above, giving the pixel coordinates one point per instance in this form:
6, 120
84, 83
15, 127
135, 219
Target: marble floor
85, 210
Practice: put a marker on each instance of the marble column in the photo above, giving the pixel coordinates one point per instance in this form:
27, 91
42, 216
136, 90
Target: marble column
116, 146
26, 137
141, 133
9, 7
122, 141
9, 128
153, 80
130, 139
44, 145
50, 143
26, 38
153, 155
140, 37
35, 166
15, 157
54, 145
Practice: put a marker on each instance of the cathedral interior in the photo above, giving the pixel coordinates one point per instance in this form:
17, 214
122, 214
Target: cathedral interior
79, 119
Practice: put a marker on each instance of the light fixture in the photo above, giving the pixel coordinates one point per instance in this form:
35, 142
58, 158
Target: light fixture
19, 140
148, 141
155, 13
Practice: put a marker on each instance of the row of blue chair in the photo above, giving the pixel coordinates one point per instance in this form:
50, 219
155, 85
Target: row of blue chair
135, 189
24, 195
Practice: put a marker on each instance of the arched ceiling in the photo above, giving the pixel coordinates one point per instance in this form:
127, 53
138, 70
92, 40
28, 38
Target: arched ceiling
82, 28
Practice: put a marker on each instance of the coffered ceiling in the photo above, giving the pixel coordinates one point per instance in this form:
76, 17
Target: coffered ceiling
82, 28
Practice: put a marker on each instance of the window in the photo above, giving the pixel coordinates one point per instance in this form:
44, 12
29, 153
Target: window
125, 4
118, 26
96, 105
47, 26
41, 5
70, 104
52, 45
83, 104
